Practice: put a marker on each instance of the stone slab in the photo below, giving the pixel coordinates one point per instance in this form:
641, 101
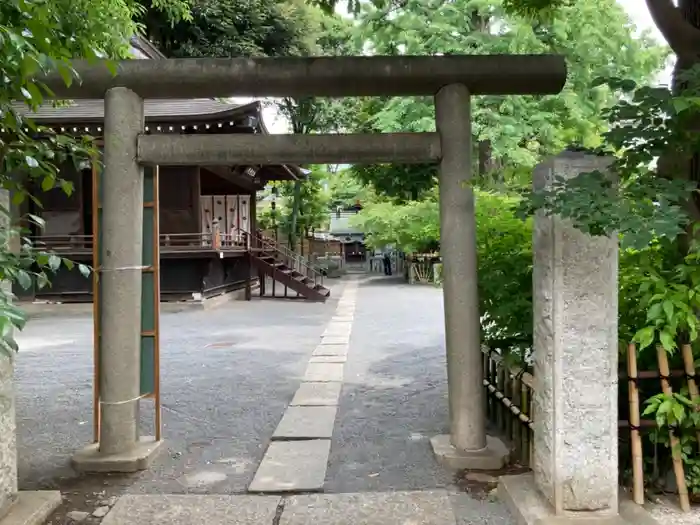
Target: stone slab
292, 466
335, 339
322, 372
493, 457
328, 359
336, 325
370, 508
343, 330
306, 422
345, 309
317, 394
190, 509
32, 507
529, 507
327, 350
90, 459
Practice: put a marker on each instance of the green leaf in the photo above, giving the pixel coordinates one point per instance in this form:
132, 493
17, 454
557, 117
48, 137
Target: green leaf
645, 337
84, 270
23, 279
47, 183
54, 262
667, 340
668, 310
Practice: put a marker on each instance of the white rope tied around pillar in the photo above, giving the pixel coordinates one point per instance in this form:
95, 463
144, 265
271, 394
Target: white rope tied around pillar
112, 403
122, 268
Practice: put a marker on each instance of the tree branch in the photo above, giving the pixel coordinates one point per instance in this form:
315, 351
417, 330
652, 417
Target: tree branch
683, 38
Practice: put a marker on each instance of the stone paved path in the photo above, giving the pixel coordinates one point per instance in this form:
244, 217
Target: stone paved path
275, 397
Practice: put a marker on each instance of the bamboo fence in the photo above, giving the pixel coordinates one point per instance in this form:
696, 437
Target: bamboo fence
509, 394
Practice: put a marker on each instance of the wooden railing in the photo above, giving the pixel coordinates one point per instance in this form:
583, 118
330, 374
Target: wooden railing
63, 243
288, 257
168, 242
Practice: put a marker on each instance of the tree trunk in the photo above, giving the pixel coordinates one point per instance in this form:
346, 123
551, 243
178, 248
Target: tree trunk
681, 28
690, 9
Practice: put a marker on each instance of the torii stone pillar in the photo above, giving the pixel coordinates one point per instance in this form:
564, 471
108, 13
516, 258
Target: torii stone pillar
120, 448
467, 446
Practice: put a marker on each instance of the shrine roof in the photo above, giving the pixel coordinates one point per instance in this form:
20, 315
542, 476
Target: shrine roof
156, 110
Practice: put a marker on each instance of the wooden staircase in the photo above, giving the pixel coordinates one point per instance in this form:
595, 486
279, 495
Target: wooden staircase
286, 268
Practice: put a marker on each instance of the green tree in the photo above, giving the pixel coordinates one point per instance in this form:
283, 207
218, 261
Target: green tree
513, 132
233, 28
318, 115
37, 37
346, 190
311, 214
504, 246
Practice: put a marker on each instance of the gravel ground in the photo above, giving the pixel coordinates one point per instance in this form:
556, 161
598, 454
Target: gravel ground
395, 398
228, 375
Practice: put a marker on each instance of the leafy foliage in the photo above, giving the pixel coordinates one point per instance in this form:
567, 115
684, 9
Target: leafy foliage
36, 37
411, 227
504, 245
346, 190
640, 205
518, 130
233, 28
313, 209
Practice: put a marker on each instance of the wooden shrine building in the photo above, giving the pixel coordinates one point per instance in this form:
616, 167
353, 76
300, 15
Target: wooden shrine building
206, 214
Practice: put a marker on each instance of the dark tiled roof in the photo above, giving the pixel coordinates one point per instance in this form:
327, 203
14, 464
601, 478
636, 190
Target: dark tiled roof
161, 110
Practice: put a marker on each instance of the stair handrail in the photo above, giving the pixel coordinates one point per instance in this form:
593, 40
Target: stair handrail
299, 263
290, 253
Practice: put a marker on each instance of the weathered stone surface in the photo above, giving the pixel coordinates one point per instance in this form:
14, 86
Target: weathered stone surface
8, 428
529, 506
492, 457
317, 76
101, 512
575, 343
120, 277
458, 248
306, 422
32, 507
328, 359
371, 508
317, 394
335, 340
291, 466
330, 350
322, 372
139, 457
227, 149
77, 516
338, 330
192, 509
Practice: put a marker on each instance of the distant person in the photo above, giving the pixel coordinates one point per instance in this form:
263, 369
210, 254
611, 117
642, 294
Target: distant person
387, 263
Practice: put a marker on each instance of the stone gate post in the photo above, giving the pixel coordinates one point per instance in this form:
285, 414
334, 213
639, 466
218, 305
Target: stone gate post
467, 446
15, 506
120, 448
575, 291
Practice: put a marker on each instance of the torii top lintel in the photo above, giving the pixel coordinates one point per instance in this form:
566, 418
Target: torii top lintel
317, 76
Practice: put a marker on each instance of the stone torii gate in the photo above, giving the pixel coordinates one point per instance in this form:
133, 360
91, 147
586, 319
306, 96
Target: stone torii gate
452, 80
